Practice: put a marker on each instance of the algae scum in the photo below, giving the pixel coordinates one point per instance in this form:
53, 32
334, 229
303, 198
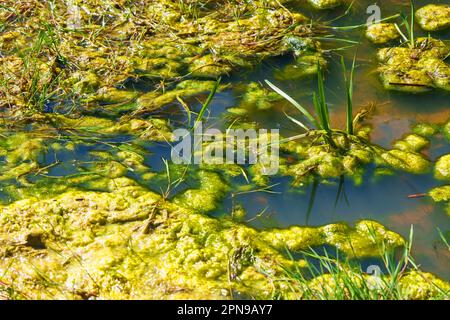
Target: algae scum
93, 208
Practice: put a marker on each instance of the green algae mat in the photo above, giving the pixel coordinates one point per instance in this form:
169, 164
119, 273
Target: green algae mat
338, 189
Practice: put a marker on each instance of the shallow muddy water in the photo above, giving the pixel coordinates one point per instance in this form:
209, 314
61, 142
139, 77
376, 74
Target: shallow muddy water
397, 201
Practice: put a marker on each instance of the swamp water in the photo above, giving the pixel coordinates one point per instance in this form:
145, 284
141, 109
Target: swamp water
98, 150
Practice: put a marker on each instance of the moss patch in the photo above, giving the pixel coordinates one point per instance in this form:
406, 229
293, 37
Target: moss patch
349, 155
412, 142
442, 168
130, 243
434, 17
407, 161
381, 33
441, 194
151, 46
360, 241
417, 69
425, 129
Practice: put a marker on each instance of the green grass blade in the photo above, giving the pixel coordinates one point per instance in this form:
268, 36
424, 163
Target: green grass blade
405, 38
349, 88
297, 122
350, 97
331, 38
347, 11
207, 102
305, 112
317, 107
443, 238
364, 24
411, 31
322, 101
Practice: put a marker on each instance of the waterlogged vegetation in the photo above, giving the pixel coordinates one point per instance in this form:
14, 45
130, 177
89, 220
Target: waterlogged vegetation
92, 207
87, 57
418, 68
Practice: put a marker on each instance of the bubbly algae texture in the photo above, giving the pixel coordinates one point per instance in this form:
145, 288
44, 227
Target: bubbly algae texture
131, 243
314, 158
434, 17
412, 142
417, 69
442, 169
441, 195
85, 92
124, 241
349, 155
163, 46
381, 33
426, 129
442, 172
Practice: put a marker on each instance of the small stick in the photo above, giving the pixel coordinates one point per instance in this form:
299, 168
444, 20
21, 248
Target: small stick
418, 195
